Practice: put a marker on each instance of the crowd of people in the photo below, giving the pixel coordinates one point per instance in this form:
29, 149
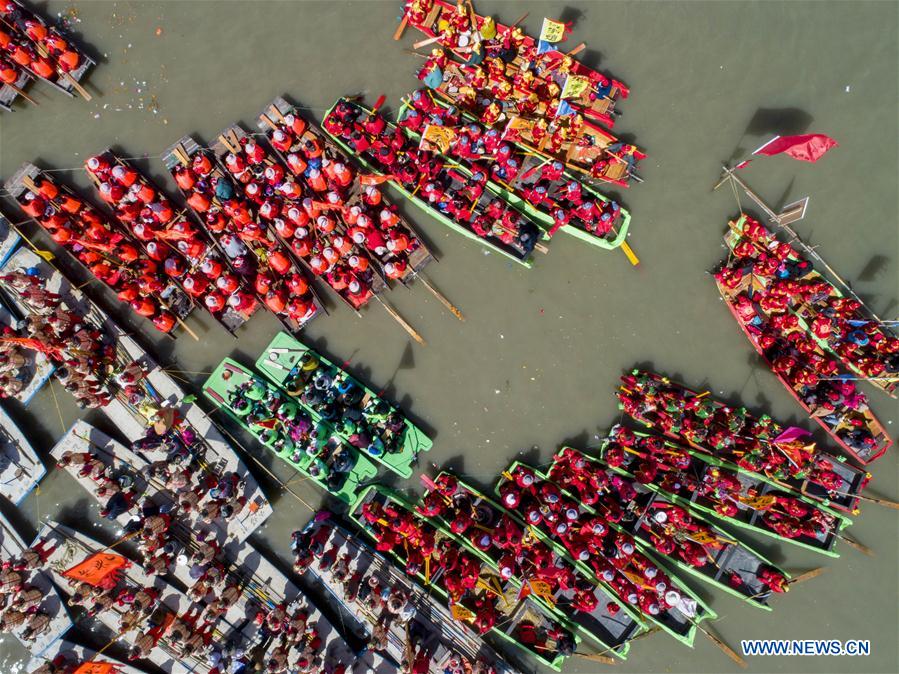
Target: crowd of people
593, 539
233, 220
284, 426
506, 79
22, 610
793, 353
366, 422
467, 582
105, 250
653, 461
174, 508
517, 554
388, 606
431, 178
179, 247
787, 282
487, 155
28, 44
757, 444
370, 222
84, 355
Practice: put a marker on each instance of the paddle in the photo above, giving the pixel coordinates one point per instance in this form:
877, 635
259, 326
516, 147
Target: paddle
45, 254
22, 94
398, 33
399, 319
728, 651
426, 42
440, 296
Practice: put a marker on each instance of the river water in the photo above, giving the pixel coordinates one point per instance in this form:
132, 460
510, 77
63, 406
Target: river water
535, 363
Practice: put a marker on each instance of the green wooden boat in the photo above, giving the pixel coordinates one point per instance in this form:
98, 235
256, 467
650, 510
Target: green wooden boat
530, 163
513, 612
753, 485
725, 557
269, 415
395, 441
494, 245
675, 620
610, 633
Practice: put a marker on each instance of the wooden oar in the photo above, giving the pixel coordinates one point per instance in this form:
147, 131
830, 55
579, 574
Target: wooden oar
440, 296
426, 42
398, 33
864, 549
652, 630
402, 321
22, 94
597, 657
45, 254
728, 651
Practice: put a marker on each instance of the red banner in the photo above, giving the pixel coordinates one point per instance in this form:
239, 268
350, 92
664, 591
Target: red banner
809, 147
97, 668
97, 568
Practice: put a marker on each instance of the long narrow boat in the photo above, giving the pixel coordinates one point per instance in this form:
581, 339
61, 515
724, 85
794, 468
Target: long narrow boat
20, 467
12, 546
102, 247
352, 574
397, 249
833, 401
147, 214
578, 143
279, 424
72, 657
69, 64
518, 621
604, 624
212, 196
69, 298
264, 170
139, 470
163, 398
460, 29
678, 610
394, 440
71, 549
587, 214
684, 538
743, 499
508, 232
741, 441
35, 368
840, 325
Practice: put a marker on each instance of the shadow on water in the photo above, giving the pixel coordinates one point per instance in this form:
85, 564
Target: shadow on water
590, 58
779, 121
873, 268
571, 14
772, 121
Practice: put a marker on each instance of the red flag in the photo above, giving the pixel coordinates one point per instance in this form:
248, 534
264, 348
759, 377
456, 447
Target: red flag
809, 147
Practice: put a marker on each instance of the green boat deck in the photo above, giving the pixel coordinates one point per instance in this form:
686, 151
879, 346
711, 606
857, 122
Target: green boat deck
228, 376
280, 362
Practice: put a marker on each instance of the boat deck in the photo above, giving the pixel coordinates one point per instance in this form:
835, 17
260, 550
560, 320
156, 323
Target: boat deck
12, 545
217, 453
20, 467
73, 547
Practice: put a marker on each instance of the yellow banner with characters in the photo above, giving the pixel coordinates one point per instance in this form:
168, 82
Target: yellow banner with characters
552, 31
575, 86
439, 136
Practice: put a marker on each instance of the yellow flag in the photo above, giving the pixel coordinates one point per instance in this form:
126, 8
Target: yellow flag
440, 136
759, 502
703, 537
544, 590
575, 86
552, 31
461, 613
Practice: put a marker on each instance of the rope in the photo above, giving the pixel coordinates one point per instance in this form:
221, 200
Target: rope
733, 187
62, 421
